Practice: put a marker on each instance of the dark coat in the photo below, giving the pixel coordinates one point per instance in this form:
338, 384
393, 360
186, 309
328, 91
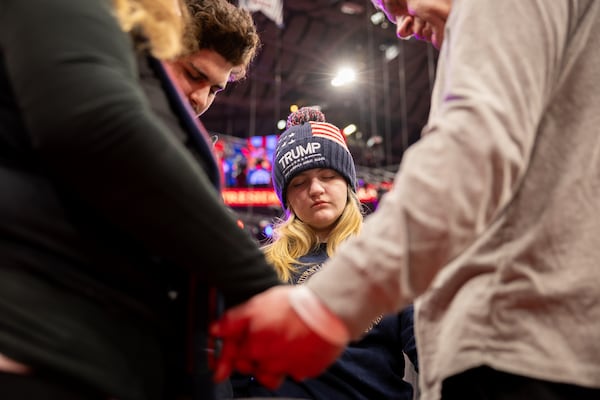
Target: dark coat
106, 213
368, 369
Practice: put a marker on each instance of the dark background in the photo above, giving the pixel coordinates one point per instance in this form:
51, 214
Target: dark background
388, 103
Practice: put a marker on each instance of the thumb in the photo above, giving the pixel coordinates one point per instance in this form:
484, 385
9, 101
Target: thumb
231, 328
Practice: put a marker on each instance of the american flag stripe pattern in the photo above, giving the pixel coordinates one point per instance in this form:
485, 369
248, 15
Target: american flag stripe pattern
328, 131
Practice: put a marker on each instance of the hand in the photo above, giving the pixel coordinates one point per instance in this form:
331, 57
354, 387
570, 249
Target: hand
265, 337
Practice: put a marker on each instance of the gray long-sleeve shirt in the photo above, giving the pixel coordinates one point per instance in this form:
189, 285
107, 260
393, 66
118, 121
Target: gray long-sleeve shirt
493, 218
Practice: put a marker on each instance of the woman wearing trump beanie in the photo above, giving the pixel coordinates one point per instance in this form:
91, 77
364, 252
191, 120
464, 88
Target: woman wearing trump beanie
315, 179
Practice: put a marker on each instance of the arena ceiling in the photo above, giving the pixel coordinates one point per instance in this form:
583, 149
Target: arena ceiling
388, 103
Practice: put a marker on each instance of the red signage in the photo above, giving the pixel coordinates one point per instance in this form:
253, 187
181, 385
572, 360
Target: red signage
250, 197
267, 197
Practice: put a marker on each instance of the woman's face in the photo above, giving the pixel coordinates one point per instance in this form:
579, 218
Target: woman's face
318, 197
423, 19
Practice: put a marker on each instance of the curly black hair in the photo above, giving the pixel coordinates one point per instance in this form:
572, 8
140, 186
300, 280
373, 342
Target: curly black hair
221, 26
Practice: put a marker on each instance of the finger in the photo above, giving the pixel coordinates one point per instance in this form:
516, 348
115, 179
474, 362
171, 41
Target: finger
269, 380
230, 348
225, 362
222, 371
232, 331
302, 375
233, 323
244, 365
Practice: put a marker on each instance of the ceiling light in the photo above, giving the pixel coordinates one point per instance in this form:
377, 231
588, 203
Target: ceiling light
351, 8
391, 52
378, 18
374, 140
343, 77
349, 130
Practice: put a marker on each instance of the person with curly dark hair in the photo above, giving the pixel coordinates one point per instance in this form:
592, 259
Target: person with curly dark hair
116, 247
220, 42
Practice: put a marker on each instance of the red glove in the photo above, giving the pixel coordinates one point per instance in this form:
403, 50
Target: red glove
265, 337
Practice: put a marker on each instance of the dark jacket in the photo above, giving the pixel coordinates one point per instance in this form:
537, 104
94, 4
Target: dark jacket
106, 215
371, 368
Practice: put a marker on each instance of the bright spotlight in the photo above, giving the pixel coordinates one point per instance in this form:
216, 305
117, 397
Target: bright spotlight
391, 52
281, 124
349, 130
293, 108
343, 77
377, 18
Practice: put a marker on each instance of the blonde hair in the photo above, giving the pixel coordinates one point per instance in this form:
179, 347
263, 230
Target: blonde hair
292, 238
157, 21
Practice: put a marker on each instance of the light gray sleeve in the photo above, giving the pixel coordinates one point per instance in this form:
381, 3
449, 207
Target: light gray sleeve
496, 71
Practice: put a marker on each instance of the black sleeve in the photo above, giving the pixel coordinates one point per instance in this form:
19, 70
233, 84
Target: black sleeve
74, 76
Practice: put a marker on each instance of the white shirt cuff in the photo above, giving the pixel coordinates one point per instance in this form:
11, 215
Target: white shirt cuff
318, 317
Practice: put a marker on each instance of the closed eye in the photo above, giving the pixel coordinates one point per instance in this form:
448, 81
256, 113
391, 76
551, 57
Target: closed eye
197, 76
297, 183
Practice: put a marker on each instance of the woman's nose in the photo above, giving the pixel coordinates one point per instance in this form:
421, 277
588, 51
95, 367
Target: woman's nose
404, 26
316, 187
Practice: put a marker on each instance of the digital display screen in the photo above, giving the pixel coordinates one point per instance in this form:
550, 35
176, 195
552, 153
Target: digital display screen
246, 163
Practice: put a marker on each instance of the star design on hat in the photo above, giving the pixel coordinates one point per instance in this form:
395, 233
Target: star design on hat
286, 143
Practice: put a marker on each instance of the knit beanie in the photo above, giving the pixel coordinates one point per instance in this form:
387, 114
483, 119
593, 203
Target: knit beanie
310, 142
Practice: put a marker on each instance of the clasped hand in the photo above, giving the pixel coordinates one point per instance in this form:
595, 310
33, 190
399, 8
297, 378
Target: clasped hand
266, 338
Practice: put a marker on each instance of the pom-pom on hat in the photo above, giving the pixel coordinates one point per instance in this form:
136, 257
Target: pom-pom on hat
310, 142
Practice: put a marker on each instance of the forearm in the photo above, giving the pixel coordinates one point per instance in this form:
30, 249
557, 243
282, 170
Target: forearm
91, 126
461, 175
